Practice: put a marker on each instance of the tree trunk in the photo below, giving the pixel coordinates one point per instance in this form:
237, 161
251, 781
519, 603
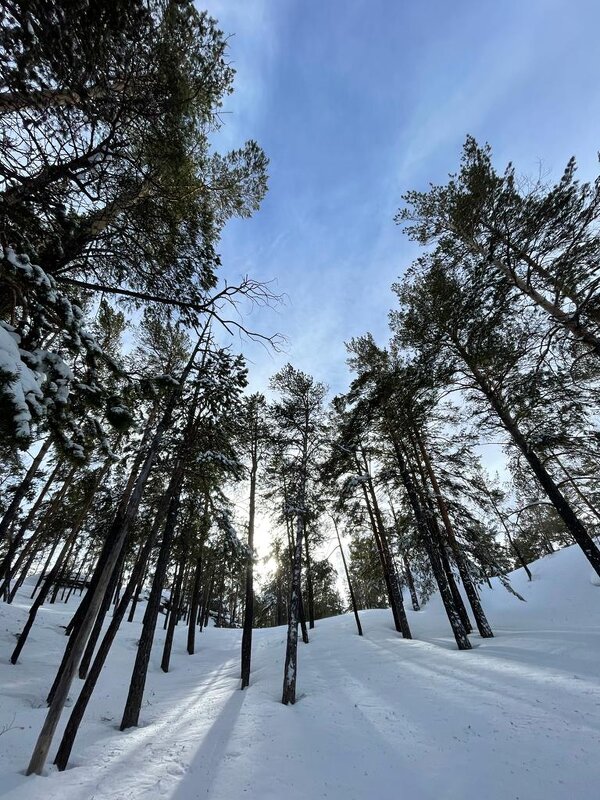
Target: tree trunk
460, 635
5, 566
573, 523
389, 570
350, 589
309, 583
133, 704
481, 621
80, 706
194, 604
13, 507
99, 621
411, 584
173, 619
37, 535
291, 654
249, 597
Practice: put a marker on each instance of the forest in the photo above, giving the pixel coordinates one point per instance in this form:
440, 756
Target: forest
139, 462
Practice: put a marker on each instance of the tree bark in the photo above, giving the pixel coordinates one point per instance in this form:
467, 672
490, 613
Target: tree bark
460, 635
194, 604
173, 618
249, 596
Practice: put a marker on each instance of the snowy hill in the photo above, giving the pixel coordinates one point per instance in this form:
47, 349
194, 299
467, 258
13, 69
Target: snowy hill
518, 716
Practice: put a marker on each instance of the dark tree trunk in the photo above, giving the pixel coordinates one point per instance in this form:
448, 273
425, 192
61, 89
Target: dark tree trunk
350, 589
80, 706
309, 583
389, 572
573, 523
219, 620
37, 537
279, 609
291, 653
411, 584
249, 596
99, 621
133, 704
206, 605
5, 566
436, 534
13, 507
173, 619
194, 604
460, 635
54, 572
63, 571
302, 617
481, 621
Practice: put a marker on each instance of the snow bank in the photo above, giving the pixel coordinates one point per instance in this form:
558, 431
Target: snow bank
378, 716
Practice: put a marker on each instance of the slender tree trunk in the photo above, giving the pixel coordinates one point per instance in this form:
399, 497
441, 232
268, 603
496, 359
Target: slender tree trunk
573, 523
80, 706
100, 616
5, 566
31, 551
133, 704
206, 603
219, 620
569, 321
411, 583
302, 617
481, 621
61, 575
194, 604
350, 589
460, 635
576, 488
387, 562
37, 535
291, 654
38, 602
249, 597
78, 579
535, 266
13, 507
309, 583
437, 539
511, 542
279, 610
382, 560
173, 619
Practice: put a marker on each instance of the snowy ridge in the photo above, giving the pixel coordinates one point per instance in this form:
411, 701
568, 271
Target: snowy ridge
516, 717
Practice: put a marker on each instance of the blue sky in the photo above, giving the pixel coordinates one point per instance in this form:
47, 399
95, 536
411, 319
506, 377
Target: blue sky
355, 102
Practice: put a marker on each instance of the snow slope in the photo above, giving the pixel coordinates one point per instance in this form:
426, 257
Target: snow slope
516, 717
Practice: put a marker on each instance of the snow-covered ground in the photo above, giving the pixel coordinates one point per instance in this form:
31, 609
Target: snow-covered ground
378, 717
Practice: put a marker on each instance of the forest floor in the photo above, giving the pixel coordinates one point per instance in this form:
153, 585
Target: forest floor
518, 716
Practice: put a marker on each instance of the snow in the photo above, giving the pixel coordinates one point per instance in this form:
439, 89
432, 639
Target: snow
20, 385
518, 716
